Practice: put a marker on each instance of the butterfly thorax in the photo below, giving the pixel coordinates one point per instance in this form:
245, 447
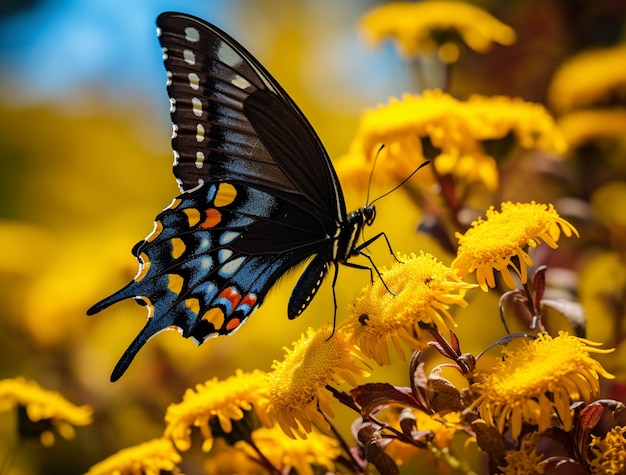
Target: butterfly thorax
349, 231
344, 247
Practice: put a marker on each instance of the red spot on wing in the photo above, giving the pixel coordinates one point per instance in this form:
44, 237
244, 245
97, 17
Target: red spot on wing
231, 294
212, 219
232, 324
249, 299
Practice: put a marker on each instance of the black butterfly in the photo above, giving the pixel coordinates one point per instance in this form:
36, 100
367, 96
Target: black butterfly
259, 195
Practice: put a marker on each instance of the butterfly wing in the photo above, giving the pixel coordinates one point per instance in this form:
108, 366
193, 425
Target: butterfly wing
227, 110
259, 192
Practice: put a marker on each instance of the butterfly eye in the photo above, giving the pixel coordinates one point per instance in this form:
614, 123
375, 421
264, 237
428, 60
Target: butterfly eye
369, 214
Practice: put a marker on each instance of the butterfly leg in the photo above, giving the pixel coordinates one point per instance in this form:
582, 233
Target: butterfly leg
336, 274
373, 266
363, 245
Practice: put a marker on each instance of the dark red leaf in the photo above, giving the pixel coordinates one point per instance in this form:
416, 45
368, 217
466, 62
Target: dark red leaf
584, 424
539, 286
372, 397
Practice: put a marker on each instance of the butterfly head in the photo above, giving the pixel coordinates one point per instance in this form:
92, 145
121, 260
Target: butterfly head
369, 214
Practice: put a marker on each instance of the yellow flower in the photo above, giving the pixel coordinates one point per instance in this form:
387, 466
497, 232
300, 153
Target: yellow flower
43, 406
490, 118
222, 400
424, 289
453, 132
288, 454
493, 243
150, 458
298, 383
525, 460
423, 27
598, 125
589, 78
609, 452
537, 379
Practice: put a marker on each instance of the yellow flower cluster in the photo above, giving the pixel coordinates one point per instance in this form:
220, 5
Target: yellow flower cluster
43, 405
538, 380
317, 450
223, 400
500, 241
589, 78
525, 460
150, 458
297, 384
456, 129
609, 452
423, 291
417, 27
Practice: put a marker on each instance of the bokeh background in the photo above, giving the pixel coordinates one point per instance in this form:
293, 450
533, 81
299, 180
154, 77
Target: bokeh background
85, 165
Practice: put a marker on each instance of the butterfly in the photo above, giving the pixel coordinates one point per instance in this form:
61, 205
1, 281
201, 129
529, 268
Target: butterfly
259, 196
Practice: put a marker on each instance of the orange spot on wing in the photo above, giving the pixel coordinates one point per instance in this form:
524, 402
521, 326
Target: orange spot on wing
175, 283
193, 304
215, 316
226, 194
213, 217
178, 247
193, 216
232, 324
145, 266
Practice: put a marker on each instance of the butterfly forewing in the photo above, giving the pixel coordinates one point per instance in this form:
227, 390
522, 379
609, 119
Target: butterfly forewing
230, 114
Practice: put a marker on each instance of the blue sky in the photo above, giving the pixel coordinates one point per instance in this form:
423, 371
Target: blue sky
60, 48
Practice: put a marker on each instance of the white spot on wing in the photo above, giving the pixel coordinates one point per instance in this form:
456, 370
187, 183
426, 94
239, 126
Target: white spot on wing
228, 269
159, 32
197, 106
176, 157
199, 159
190, 58
204, 244
192, 34
172, 105
241, 82
174, 131
228, 236
206, 262
224, 254
200, 133
169, 78
228, 56
194, 81
165, 55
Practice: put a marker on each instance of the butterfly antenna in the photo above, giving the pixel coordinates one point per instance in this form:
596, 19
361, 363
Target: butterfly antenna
401, 183
371, 178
